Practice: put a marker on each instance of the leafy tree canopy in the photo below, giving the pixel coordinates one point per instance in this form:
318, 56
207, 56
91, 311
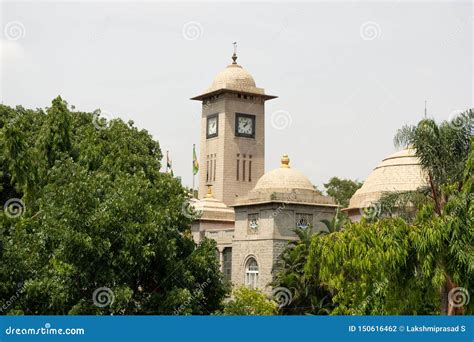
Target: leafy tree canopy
249, 302
342, 189
87, 208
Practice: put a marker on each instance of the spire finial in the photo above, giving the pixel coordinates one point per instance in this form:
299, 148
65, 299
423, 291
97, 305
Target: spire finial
234, 56
426, 114
285, 161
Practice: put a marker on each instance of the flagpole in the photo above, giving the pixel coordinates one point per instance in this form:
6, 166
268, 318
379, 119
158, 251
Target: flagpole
167, 158
192, 169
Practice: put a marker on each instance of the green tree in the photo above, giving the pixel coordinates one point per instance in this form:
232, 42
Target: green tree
307, 296
335, 224
395, 266
370, 267
97, 214
342, 189
249, 302
443, 150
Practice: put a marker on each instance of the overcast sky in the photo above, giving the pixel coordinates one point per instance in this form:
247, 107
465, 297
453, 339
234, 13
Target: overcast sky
347, 74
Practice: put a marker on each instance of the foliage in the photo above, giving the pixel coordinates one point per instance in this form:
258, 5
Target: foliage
249, 302
335, 224
368, 265
402, 204
98, 213
342, 189
308, 297
391, 266
443, 150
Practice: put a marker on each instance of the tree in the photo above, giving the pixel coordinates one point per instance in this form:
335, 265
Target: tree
335, 224
342, 189
249, 302
417, 266
101, 230
370, 268
307, 296
442, 149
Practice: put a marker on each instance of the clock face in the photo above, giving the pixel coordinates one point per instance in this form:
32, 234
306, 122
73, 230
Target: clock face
212, 122
245, 125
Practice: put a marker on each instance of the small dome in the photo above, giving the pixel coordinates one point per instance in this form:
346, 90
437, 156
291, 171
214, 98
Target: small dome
211, 209
284, 178
233, 77
400, 171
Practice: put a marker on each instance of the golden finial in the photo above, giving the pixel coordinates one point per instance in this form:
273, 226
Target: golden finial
209, 192
234, 56
285, 161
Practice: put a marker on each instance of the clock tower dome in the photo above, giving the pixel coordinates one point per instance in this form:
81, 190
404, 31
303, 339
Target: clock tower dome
232, 149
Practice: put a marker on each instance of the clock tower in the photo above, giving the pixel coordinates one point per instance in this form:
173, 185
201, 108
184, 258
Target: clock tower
232, 149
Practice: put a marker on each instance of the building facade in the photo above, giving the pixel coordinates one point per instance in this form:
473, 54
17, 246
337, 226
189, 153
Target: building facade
251, 214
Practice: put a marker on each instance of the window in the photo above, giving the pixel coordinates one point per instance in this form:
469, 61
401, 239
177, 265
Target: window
250, 170
251, 273
243, 169
214, 172
207, 170
210, 170
227, 263
238, 167
303, 221
253, 223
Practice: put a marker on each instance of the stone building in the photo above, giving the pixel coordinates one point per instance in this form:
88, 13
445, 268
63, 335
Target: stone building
251, 214
399, 172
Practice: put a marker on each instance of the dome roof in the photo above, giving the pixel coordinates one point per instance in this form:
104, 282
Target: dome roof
234, 79
234, 76
284, 178
400, 171
285, 185
211, 209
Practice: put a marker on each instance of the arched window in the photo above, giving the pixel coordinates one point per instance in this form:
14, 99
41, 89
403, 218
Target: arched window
251, 273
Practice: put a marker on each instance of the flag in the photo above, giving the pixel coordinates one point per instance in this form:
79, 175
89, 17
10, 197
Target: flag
195, 161
169, 166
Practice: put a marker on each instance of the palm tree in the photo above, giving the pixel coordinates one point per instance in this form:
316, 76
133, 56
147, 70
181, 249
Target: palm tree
444, 150
335, 224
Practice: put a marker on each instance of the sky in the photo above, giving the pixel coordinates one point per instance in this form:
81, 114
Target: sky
347, 74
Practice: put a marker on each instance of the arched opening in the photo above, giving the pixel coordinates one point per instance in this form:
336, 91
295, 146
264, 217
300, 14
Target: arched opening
251, 273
